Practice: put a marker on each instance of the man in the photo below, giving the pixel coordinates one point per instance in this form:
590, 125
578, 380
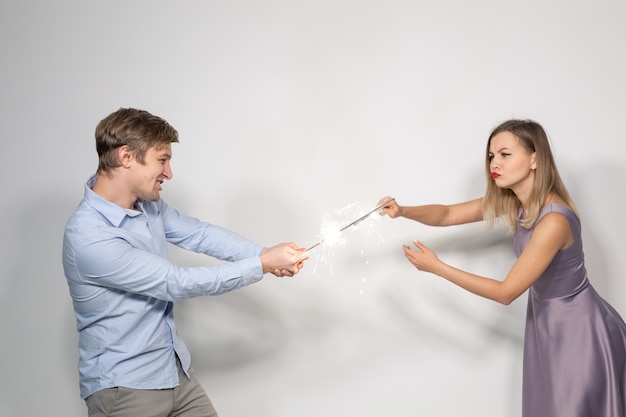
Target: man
132, 360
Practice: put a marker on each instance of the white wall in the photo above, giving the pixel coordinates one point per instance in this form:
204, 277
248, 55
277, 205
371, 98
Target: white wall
289, 111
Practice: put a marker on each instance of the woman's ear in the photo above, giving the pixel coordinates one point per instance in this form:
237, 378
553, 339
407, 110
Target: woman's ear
533, 161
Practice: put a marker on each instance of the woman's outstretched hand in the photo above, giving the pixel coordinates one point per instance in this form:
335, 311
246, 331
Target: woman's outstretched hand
423, 258
391, 209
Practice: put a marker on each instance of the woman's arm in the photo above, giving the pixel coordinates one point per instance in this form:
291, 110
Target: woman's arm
436, 214
552, 234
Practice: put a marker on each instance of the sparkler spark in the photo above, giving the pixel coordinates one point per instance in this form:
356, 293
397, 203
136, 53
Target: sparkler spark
332, 235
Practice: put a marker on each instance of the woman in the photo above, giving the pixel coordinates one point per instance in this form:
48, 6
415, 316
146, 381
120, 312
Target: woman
575, 342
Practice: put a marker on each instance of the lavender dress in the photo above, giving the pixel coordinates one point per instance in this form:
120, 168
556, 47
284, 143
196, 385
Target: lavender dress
575, 342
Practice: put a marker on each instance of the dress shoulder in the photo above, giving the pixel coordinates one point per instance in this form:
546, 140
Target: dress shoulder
571, 216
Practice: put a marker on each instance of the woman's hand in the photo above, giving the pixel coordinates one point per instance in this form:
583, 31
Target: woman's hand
423, 258
391, 209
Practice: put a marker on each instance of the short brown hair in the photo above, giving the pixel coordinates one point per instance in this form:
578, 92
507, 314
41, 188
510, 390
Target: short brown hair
137, 129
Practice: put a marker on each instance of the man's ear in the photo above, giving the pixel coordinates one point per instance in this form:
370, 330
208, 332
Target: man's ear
125, 156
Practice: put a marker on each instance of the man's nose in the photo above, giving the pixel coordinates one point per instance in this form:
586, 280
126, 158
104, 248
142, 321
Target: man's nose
167, 171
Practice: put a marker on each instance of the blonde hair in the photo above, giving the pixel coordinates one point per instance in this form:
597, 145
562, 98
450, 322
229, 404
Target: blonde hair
502, 201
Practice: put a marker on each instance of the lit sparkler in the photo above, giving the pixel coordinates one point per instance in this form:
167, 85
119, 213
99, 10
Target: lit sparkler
334, 235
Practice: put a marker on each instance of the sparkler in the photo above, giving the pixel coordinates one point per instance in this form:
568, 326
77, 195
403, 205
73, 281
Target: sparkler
360, 219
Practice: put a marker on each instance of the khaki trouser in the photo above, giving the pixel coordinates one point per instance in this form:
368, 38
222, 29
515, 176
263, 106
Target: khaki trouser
188, 400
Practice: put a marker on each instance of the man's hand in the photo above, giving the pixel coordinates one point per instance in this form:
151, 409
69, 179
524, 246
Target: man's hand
284, 259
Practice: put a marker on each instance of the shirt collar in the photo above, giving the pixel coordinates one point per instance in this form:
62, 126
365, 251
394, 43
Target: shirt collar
111, 211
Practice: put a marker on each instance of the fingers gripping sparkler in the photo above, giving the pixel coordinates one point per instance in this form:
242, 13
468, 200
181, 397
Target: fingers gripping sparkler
357, 221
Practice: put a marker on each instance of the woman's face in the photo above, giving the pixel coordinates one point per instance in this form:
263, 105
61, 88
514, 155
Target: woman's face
511, 165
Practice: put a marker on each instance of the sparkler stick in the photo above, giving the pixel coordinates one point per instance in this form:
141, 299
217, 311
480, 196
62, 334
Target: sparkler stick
360, 219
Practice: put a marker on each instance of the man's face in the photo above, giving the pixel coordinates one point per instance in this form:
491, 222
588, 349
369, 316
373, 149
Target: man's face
148, 177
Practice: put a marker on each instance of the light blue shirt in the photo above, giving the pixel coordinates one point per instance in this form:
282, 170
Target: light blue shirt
123, 287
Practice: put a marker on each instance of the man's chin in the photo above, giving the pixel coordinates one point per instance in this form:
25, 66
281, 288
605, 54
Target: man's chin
153, 197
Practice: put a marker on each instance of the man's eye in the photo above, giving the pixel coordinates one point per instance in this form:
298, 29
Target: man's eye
504, 154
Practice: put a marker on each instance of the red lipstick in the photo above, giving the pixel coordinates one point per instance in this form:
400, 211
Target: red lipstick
494, 175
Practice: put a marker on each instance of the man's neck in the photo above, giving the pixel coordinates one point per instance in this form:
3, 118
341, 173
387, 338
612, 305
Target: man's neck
110, 187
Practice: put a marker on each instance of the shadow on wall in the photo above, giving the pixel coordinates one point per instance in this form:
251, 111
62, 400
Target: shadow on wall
472, 314
455, 320
39, 344
244, 326
597, 193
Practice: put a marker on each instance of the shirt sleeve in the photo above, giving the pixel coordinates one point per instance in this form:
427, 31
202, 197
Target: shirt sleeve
202, 237
105, 256
114, 263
